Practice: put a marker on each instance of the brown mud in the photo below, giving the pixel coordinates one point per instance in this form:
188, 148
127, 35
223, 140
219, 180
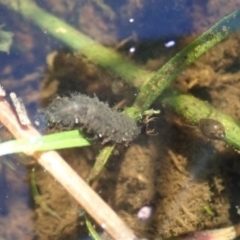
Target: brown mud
191, 182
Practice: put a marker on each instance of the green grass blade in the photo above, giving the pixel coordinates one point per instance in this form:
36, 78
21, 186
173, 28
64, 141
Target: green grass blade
49, 142
153, 88
91, 229
38, 199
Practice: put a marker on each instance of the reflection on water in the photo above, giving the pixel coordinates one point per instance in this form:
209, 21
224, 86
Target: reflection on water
179, 172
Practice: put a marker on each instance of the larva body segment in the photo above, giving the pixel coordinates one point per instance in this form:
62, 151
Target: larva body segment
79, 111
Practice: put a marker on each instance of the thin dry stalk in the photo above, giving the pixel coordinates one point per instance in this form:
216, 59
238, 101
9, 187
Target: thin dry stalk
68, 178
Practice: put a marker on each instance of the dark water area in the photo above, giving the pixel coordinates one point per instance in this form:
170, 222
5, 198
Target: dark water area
191, 183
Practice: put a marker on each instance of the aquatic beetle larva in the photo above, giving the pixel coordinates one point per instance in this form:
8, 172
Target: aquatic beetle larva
79, 111
212, 128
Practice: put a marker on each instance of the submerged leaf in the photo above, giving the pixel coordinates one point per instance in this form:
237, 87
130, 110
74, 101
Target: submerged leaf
6, 39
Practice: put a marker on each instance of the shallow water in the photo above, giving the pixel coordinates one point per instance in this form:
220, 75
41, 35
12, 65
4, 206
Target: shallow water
176, 170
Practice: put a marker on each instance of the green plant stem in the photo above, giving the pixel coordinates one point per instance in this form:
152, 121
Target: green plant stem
77, 41
131, 73
118, 64
193, 109
91, 229
38, 199
121, 66
100, 163
166, 74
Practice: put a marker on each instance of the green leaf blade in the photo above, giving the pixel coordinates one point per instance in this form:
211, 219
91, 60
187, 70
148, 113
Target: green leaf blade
54, 141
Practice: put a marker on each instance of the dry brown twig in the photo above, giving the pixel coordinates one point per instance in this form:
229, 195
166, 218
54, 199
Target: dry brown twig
68, 178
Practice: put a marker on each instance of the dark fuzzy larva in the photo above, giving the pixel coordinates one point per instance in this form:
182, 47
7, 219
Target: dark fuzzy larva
79, 111
212, 128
